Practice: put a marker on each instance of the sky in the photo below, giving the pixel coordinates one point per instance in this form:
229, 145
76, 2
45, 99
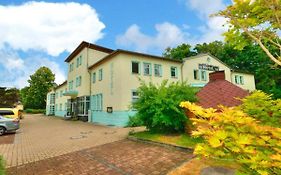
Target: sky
44, 33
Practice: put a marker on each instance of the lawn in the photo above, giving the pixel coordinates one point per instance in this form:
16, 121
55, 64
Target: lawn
182, 140
2, 166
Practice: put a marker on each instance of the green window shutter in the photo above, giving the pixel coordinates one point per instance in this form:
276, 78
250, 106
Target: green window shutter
176, 70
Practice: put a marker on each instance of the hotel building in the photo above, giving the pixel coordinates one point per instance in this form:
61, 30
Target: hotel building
102, 83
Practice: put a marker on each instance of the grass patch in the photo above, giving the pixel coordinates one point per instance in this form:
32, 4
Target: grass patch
2, 166
183, 140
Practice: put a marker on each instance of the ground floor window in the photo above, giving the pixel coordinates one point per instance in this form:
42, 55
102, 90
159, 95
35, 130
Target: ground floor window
97, 102
196, 74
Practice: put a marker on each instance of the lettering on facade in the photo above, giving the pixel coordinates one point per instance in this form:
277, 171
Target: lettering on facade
208, 67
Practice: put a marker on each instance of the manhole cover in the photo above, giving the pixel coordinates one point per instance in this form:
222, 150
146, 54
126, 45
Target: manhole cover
86, 132
78, 137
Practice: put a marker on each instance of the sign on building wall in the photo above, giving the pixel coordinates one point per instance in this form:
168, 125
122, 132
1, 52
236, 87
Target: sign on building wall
208, 67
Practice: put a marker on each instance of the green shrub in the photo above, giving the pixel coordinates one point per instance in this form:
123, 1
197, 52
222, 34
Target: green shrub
134, 121
262, 107
158, 106
35, 111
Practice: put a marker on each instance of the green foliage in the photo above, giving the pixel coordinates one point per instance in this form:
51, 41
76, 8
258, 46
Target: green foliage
179, 53
134, 121
34, 96
262, 107
158, 106
233, 135
35, 111
2, 166
255, 22
9, 97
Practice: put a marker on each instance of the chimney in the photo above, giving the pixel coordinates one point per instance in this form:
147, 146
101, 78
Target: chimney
219, 75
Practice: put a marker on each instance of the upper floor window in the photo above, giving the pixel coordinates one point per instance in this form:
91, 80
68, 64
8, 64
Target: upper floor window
196, 74
100, 75
94, 77
157, 70
174, 72
78, 81
70, 85
239, 79
135, 67
146, 68
97, 102
61, 93
79, 61
203, 75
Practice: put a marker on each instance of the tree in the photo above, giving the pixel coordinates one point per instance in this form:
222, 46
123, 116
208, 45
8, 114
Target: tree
257, 21
9, 97
40, 83
179, 53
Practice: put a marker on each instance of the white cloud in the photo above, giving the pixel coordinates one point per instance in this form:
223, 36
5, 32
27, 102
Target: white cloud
214, 27
204, 8
16, 71
167, 35
49, 27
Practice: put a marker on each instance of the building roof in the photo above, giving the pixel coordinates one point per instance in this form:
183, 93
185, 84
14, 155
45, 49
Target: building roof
208, 54
60, 85
220, 92
118, 51
85, 44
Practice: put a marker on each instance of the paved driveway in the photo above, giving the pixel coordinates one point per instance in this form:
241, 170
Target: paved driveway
42, 137
50, 146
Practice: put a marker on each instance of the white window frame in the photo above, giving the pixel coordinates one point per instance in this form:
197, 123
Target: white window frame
137, 62
149, 69
158, 67
175, 70
203, 75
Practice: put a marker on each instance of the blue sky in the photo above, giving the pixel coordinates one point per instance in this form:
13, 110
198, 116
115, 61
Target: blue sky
43, 33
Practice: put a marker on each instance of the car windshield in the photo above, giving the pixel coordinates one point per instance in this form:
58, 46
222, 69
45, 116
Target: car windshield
6, 112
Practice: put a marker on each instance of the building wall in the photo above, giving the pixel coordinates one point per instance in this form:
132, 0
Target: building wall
248, 82
48, 112
192, 64
61, 100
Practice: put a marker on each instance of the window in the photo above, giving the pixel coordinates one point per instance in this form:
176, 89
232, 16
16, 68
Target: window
83, 104
78, 81
157, 70
61, 93
203, 75
60, 107
97, 102
71, 66
135, 67
70, 85
94, 77
146, 68
174, 72
57, 95
100, 74
65, 106
196, 74
239, 79
79, 61
135, 96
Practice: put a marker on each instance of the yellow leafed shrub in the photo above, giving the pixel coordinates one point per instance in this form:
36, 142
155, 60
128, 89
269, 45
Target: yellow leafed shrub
233, 135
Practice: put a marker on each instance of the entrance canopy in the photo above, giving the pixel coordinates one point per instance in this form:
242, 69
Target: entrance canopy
71, 93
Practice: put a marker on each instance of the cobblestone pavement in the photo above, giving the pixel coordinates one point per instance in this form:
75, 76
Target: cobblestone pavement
118, 158
42, 137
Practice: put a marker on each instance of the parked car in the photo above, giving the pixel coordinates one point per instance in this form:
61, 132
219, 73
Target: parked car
13, 113
8, 125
